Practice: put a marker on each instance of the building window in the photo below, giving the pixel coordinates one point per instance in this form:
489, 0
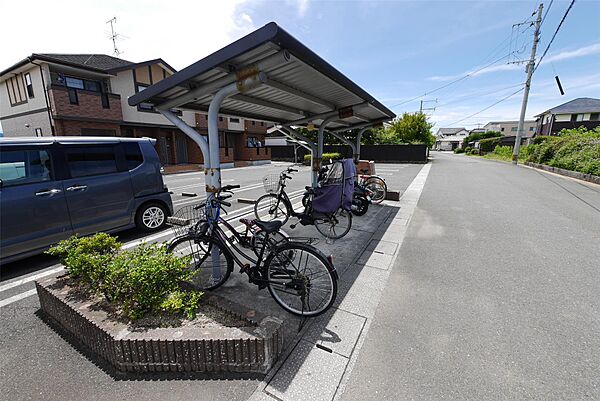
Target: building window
29, 85
105, 102
531, 128
502, 129
144, 106
253, 142
262, 124
234, 120
16, 90
93, 86
38, 132
75, 83
220, 118
253, 122
594, 116
513, 129
580, 117
73, 99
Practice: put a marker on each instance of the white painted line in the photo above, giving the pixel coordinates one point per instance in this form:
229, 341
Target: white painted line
30, 278
17, 297
237, 214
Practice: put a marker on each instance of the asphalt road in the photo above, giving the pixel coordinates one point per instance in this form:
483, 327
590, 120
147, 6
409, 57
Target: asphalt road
494, 294
38, 363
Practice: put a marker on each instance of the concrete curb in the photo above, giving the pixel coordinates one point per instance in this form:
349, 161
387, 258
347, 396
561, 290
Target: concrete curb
567, 173
254, 348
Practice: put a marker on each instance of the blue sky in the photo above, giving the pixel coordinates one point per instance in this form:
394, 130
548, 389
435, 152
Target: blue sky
396, 50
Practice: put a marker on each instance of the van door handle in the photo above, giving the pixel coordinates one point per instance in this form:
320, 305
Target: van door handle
48, 192
77, 188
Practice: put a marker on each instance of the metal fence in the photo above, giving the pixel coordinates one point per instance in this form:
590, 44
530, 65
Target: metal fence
377, 153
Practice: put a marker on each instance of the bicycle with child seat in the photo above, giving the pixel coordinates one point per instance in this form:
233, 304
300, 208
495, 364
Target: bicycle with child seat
300, 278
277, 206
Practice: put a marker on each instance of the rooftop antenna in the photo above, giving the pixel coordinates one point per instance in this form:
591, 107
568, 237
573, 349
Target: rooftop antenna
113, 35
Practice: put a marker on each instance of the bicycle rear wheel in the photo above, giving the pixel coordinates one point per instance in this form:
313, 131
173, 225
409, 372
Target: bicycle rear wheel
301, 279
269, 207
211, 265
378, 187
334, 225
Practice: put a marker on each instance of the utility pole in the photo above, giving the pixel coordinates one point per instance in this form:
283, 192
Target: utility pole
421, 109
529, 69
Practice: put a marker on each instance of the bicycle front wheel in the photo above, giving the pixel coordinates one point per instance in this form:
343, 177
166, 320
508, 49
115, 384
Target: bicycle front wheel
210, 266
378, 188
301, 279
334, 225
269, 207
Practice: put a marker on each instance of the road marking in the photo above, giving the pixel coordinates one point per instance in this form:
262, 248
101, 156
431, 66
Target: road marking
30, 278
17, 297
236, 214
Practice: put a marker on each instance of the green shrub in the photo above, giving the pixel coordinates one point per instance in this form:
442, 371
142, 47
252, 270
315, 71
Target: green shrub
326, 157
503, 152
87, 258
468, 150
539, 139
146, 279
459, 150
307, 159
480, 135
576, 150
489, 144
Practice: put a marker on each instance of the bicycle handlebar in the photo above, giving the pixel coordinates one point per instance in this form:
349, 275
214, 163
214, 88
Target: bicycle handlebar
292, 170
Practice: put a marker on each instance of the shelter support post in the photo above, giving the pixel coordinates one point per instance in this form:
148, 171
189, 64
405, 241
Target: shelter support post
310, 145
356, 155
316, 162
191, 132
347, 142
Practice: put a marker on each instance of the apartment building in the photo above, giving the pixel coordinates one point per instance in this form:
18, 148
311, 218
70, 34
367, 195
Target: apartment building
86, 94
509, 128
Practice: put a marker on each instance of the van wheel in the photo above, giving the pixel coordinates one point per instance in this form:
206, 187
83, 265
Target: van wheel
151, 217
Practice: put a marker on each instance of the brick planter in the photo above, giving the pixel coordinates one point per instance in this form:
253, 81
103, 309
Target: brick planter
254, 348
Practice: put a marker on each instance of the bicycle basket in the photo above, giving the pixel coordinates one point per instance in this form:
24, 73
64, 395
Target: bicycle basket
186, 218
271, 183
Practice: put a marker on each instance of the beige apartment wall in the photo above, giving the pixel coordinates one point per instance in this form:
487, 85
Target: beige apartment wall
26, 125
35, 103
123, 85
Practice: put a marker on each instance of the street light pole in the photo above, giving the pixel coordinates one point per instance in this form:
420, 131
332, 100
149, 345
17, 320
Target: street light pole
530, 68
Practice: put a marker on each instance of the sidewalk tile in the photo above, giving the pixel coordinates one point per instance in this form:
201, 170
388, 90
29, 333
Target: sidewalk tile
375, 259
337, 329
309, 373
389, 248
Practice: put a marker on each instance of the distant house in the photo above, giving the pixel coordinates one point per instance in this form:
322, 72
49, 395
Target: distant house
449, 138
580, 112
509, 128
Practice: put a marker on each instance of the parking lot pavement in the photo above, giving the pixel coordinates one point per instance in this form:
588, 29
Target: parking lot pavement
41, 363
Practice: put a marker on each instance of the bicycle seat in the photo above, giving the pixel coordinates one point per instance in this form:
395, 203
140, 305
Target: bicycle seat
269, 226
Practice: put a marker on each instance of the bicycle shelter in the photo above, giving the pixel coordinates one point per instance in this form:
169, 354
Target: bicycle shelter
266, 75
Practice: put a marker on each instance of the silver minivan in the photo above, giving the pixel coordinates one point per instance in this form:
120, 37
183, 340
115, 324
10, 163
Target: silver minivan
52, 188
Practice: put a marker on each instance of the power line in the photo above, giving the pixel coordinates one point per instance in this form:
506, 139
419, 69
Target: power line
488, 107
478, 93
555, 33
449, 83
547, 10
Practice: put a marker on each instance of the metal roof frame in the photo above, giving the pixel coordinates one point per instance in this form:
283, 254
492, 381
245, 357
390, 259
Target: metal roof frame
267, 75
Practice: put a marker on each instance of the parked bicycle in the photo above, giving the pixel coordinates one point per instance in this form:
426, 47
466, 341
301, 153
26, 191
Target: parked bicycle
300, 278
375, 184
277, 206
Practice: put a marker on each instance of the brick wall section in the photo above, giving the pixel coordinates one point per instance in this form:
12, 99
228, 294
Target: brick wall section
244, 153
202, 123
256, 128
90, 105
69, 127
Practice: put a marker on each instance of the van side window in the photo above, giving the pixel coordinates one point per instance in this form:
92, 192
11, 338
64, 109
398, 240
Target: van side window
91, 160
133, 155
24, 167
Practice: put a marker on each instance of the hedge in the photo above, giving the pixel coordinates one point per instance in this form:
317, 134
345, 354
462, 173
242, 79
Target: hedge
488, 145
326, 157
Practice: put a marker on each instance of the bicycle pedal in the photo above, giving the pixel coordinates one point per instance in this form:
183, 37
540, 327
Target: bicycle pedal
245, 268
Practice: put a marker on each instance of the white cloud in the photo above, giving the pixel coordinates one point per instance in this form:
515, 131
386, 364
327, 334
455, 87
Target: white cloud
178, 32
302, 7
569, 54
554, 57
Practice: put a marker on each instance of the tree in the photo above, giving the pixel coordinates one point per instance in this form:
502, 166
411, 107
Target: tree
410, 128
481, 135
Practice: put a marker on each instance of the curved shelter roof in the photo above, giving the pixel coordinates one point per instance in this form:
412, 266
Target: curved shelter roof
300, 87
